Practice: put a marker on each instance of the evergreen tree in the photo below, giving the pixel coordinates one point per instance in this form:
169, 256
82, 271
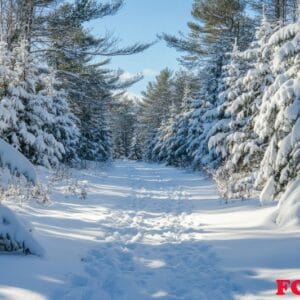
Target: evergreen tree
64, 127
154, 109
27, 112
136, 144
232, 88
178, 153
278, 120
123, 124
216, 24
95, 142
245, 149
90, 84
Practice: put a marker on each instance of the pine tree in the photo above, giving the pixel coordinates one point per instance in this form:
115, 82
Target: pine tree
74, 52
136, 145
162, 149
95, 142
26, 114
178, 154
215, 25
64, 127
244, 148
123, 124
232, 88
278, 120
154, 110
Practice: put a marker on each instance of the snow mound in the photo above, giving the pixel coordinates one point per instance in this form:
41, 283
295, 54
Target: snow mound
288, 212
16, 162
267, 194
14, 236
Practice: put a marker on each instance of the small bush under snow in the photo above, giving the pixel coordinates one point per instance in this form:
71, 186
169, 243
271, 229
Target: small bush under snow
14, 236
16, 162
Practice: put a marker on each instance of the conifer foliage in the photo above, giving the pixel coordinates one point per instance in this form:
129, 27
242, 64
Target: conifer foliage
35, 117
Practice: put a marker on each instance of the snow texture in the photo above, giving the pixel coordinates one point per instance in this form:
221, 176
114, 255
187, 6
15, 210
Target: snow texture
134, 237
147, 231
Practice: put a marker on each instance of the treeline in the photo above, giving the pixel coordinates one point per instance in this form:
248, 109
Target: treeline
56, 90
235, 110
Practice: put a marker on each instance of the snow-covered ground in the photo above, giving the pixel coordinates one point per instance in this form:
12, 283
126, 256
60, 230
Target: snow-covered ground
146, 231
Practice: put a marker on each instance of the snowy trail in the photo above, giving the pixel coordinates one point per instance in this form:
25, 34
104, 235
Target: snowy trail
150, 248
147, 231
134, 237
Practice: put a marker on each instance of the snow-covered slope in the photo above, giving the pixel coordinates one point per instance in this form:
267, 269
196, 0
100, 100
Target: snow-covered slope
15, 236
149, 232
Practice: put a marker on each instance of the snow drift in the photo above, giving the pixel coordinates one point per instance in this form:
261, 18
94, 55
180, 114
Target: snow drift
288, 212
15, 236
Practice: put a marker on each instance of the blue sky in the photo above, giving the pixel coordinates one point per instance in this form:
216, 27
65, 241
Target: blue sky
141, 21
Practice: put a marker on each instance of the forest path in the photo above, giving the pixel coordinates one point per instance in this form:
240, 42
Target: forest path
151, 243
139, 234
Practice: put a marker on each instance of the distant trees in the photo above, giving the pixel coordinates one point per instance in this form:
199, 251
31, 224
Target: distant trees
161, 102
154, 108
123, 125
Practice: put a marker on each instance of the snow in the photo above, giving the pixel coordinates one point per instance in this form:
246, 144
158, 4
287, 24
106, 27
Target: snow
288, 212
267, 194
14, 236
147, 231
16, 162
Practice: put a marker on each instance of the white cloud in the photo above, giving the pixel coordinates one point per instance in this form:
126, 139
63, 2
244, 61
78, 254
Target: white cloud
150, 73
146, 73
127, 76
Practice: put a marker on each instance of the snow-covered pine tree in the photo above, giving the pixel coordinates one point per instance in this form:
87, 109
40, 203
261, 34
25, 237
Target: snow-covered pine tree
95, 143
207, 113
88, 81
150, 143
200, 117
13, 235
136, 144
171, 140
208, 118
244, 148
278, 122
64, 128
124, 119
154, 109
232, 87
161, 150
26, 112
177, 147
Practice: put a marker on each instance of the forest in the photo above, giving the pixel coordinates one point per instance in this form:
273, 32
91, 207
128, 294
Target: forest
231, 114
233, 110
